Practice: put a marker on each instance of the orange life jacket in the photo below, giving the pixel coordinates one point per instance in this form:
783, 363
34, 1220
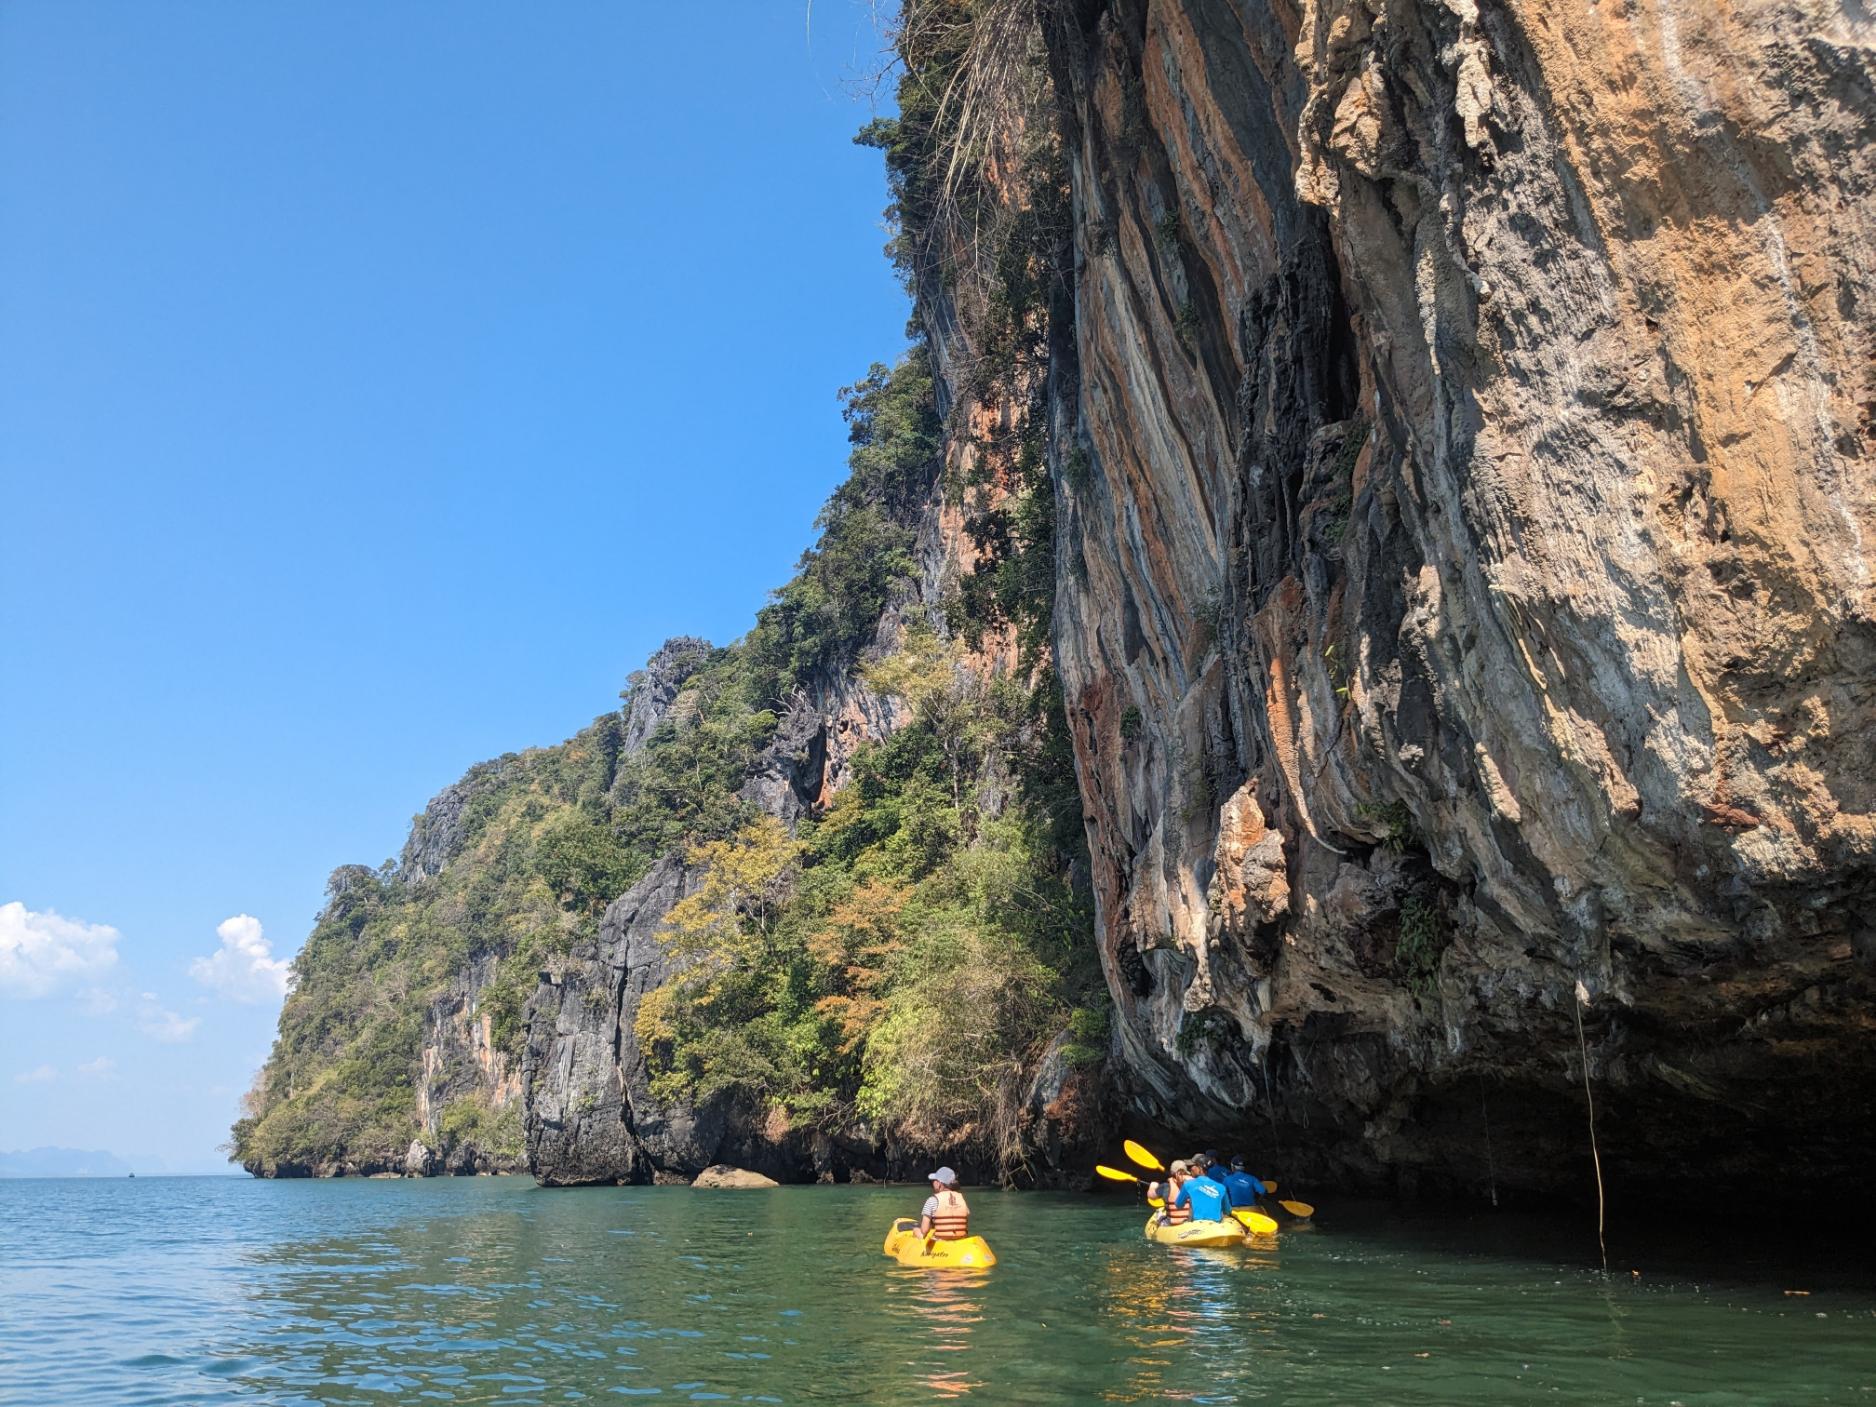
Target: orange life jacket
1175, 1215
952, 1220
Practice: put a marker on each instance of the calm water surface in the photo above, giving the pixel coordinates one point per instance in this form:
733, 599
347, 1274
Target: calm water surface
189, 1290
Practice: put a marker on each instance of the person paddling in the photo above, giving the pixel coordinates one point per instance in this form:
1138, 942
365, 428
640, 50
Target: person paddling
1168, 1192
1203, 1198
946, 1216
1243, 1189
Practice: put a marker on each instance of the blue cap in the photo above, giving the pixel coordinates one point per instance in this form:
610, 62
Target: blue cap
944, 1175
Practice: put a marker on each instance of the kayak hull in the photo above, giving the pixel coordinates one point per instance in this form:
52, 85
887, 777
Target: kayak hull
1195, 1233
905, 1245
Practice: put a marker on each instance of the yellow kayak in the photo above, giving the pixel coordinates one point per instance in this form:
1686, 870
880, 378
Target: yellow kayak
1194, 1233
905, 1245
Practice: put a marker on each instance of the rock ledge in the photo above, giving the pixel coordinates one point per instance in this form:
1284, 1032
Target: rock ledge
723, 1175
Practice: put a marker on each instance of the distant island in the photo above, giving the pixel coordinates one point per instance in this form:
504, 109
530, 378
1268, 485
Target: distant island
62, 1162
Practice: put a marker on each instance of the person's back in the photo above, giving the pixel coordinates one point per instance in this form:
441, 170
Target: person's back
1172, 1211
1207, 1199
950, 1215
1242, 1188
946, 1216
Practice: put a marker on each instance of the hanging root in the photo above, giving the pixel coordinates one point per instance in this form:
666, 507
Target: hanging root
1491, 1163
1582, 1000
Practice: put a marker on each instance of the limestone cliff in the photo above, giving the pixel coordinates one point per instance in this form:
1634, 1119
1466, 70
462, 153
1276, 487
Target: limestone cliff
592, 1112
425, 1048
1431, 440
1466, 595
534, 978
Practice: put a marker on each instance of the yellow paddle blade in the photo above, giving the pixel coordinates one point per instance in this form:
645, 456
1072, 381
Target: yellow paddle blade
1114, 1174
1270, 1187
1140, 1156
1156, 1201
1302, 1209
1255, 1221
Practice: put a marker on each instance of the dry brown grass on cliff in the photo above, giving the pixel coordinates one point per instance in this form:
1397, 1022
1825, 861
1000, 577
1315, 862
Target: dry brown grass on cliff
991, 90
973, 78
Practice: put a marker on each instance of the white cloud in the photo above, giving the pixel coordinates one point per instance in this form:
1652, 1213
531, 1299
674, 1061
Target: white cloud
100, 1069
41, 1075
97, 1001
244, 967
42, 951
161, 1024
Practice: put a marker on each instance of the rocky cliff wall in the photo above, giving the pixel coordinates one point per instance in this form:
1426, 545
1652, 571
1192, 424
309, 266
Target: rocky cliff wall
1458, 421
477, 1005
592, 1113
1464, 470
465, 1073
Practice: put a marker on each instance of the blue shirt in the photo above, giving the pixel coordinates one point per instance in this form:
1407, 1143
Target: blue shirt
1209, 1201
1243, 1189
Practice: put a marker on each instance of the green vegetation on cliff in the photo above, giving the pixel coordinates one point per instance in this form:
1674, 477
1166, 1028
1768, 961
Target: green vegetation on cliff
905, 955
983, 221
834, 968
527, 867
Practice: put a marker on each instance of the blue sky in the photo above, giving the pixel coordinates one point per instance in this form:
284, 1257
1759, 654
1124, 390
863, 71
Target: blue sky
379, 384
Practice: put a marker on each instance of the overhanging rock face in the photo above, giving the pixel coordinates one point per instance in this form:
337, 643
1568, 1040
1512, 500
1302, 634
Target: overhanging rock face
1465, 584
1460, 417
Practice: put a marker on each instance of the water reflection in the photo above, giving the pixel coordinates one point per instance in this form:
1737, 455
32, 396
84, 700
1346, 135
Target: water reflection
481, 1293
938, 1311
1177, 1307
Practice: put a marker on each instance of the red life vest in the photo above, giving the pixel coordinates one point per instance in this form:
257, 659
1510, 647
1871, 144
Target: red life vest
952, 1219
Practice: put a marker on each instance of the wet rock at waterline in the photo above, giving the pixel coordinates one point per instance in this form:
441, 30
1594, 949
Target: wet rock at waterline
722, 1176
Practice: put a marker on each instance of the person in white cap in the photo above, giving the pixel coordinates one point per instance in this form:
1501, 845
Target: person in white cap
945, 1216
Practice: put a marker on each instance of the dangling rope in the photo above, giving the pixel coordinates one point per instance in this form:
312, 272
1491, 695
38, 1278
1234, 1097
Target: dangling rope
1270, 1106
1491, 1163
1582, 1000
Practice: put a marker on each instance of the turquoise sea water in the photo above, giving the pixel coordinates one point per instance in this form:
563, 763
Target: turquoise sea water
201, 1291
